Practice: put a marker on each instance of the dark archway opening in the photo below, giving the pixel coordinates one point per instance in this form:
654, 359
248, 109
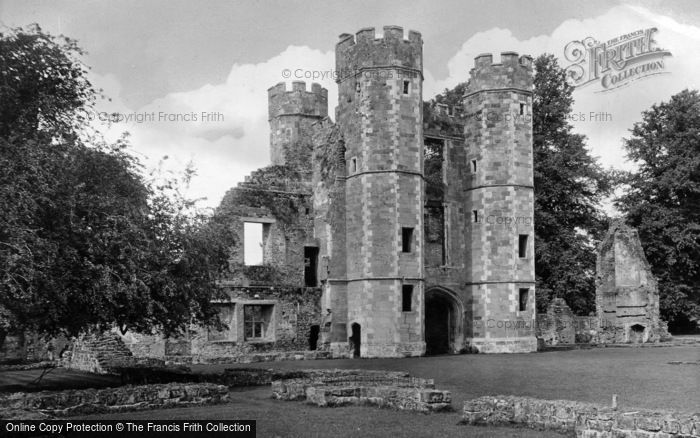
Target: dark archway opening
313, 336
637, 334
355, 340
441, 322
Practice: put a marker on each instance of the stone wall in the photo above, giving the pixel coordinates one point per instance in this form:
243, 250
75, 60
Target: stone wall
122, 399
627, 294
581, 419
98, 353
558, 325
331, 388
30, 347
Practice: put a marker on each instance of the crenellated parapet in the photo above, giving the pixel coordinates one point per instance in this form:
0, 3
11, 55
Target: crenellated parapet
513, 71
364, 51
297, 101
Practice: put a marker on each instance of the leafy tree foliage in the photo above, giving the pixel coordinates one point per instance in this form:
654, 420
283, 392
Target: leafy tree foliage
86, 240
569, 186
662, 201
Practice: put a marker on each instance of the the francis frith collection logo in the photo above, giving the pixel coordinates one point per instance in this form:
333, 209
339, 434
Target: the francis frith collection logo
614, 63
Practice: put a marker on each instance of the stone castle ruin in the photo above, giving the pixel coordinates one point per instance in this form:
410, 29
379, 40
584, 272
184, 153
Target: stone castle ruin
387, 233
627, 294
400, 229
396, 230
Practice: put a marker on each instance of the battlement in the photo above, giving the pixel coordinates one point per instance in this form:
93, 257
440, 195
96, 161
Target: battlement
365, 50
297, 101
513, 71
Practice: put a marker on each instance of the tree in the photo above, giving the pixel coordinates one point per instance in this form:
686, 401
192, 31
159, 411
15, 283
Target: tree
569, 186
662, 200
86, 240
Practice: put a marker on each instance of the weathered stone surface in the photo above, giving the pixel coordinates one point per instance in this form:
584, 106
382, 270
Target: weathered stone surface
627, 295
365, 252
121, 399
581, 419
558, 325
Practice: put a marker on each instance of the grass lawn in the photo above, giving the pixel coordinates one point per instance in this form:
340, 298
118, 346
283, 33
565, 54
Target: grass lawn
297, 419
654, 378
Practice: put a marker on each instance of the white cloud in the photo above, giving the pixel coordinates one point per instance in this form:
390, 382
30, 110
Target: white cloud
225, 151
227, 147
625, 104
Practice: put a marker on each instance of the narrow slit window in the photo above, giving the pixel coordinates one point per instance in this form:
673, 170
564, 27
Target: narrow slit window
353, 165
522, 299
406, 239
406, 298
474, 166
406, 87
522, 109
475, 213
522, 246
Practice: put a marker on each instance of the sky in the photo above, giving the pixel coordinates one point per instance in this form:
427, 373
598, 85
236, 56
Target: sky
186, 58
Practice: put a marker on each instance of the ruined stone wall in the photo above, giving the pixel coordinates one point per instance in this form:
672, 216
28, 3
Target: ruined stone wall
581, 419
500, 207
279, 197
379, 113
330, 231
293, 311
97, 353
122, 399
31, 347
627, 295
558, 325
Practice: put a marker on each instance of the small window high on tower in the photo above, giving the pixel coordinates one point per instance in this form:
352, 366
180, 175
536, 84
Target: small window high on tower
406, 239
473, 166
475, 213
406, 87
522, 246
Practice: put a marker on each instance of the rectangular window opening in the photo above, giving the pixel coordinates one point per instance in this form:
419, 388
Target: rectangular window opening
406, 239
474, 166
227, 315
476, 216
257, 320
353, 165
522, 109
406, 297
252, 243
406, 87
522, 299
310, 266
522, 246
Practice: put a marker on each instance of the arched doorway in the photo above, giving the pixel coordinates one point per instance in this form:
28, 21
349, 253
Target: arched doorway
355, 339
443, 322
636, 334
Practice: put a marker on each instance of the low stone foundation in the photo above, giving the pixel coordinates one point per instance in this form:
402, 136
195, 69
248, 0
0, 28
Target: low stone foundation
389, 389
577, 418
122, 399
254, 358
504, 345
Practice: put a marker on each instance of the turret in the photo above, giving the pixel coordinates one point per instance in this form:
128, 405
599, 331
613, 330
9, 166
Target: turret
500, 203
291, 114
380, 84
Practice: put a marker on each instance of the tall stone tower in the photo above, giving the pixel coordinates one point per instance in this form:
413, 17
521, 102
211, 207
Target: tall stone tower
291, 116
379, 112
500, 205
